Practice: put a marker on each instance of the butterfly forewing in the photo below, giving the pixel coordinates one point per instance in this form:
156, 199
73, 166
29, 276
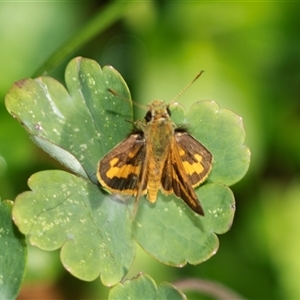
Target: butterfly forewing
119, 171
196, 159
176, 180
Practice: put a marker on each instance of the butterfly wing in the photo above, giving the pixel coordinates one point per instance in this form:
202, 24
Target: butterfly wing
120, 170
196, 159
188, 164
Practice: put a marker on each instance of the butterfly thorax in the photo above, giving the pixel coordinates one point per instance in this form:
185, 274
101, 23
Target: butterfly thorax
158, 134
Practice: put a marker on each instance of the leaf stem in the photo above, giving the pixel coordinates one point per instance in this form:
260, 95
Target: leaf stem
207, 287
104, 18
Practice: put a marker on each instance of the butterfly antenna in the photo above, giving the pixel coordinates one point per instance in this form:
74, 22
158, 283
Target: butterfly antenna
126, 99
187, 87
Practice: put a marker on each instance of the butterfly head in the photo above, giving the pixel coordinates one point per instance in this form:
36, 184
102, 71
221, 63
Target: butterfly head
157, 110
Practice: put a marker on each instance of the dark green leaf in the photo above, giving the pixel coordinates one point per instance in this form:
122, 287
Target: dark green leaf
13, 254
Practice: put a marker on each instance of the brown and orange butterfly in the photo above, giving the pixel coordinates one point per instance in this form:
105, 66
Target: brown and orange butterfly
157, 155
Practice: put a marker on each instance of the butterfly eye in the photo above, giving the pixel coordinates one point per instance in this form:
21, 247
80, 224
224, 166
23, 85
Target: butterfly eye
168, 111
148, 116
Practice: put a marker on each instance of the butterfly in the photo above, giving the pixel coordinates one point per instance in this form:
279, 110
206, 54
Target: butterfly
157, 156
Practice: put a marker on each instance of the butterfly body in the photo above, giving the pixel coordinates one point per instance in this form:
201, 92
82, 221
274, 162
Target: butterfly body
157, 156
158, 133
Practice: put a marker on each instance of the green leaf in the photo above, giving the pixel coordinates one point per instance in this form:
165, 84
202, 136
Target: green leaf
13, 254
144, 287
167, 229
69, 212
177, 114
223, 133
175, 235
79, 127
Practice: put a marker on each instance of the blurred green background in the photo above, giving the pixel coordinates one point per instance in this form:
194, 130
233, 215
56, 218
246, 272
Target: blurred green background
250, 52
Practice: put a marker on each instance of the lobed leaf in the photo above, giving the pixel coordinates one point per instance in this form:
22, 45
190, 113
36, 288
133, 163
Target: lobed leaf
144, 287
175, 235
76, 127
94, 230
69, 212
223, 133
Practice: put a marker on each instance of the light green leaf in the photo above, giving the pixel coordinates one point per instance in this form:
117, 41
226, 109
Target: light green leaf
144, 287
78, 127
175, 235
13, 254
69, 212
81, 125
223, 133
168, 230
